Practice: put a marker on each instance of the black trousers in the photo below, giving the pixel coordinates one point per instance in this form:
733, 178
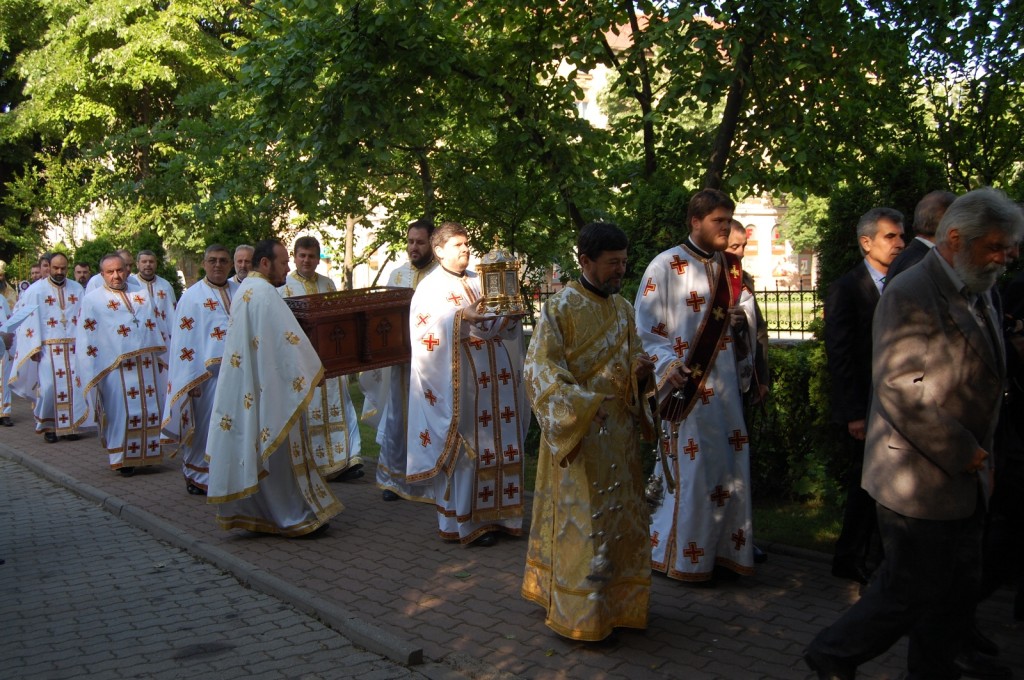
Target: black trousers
858, 544
925, 588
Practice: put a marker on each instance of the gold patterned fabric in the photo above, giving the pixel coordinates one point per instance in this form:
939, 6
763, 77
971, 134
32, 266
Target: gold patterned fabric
588, 561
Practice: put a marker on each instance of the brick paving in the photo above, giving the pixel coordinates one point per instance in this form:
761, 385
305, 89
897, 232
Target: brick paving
382, 578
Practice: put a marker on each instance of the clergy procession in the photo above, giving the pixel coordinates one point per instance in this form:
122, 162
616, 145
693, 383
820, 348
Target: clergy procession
229, 385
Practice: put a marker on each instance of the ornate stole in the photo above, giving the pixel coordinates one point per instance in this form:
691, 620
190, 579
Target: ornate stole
725, 290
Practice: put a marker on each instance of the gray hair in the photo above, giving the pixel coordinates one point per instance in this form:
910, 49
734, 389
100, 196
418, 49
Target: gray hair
867, 225
244, 246
980, 212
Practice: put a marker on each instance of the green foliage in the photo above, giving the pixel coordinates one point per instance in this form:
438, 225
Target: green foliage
790, 445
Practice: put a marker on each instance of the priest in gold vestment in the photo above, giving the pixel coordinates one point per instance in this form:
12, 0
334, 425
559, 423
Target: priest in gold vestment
588, 561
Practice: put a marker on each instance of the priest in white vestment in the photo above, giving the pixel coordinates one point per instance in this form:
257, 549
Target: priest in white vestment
43, 368
589, 559
687, 319
97, 281
120, 354
467, 408
160, 290
243, 262
386, 390
6, 345
263, 474
198, 328
333, 422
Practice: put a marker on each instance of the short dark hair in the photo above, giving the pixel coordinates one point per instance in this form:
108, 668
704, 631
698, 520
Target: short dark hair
705, 202
84, 264
59, 254
929, 211
216, 248
146, 252
867, 225
264, 249
446, 232
48, 255
110, 256
304, 242
597, 237
422, 223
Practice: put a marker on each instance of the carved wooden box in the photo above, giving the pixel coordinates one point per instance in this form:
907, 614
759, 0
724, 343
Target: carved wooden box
356, 330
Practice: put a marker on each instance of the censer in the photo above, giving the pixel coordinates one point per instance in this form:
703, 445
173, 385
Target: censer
499, 279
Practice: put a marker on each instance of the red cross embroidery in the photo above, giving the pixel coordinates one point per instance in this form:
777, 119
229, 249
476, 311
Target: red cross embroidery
186, 323
146, 362
650, 287
89, 324
431, 342
154, 445
487, 456
504, 376
739, 539
152, 418
133, 393
477, 343
485, 418
510, 453
680, 347
485, 494
160, 294
655, 540
63, 419
72, 299
130, 365
511, 490
706, 394
422, 319
63, 396
51, 322
123, 331
679, 265
454, 299
149, 324
218, 333
60, 373
694, 553
184, 418
133, 448
695, 301
91, 351
720, 495
429, 396
135, 421
485, 379
210, 304
139, 299
691, 449
508, 414
725, 343
50, 300
187, 354
738, 440
150, 391
660, 330
58, 351
29, 332
425, 438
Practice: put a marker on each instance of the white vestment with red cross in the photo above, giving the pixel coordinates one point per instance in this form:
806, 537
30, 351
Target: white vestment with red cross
333, 422
161, 292
467, 409
706, 519
198, 328
43, 367
121, 359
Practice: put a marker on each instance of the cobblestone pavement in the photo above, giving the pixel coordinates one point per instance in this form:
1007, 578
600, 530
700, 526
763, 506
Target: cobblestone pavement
84, 594
382, 578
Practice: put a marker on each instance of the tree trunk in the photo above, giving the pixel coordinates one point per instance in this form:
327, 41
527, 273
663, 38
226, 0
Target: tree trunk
713, 179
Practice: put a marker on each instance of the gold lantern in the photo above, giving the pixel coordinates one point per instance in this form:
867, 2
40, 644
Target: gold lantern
499, 281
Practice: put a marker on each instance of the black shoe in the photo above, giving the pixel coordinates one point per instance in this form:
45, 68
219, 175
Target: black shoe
850, 571
193, 489
352, 473
760, 556
50, 437
828, 667
126, 471
71, 437
979, 642
389, 495
6, 422
976, 665
485, 541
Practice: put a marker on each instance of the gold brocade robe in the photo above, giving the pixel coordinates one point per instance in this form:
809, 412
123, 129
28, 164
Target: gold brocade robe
588, 561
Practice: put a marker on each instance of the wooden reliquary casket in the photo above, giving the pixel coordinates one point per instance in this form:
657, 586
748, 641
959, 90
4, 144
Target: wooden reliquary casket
356, 330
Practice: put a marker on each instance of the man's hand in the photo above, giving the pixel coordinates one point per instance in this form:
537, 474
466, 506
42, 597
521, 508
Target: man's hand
737, 318
644, 367
474, 313
978, 461
858, 429
760, 395
679, 377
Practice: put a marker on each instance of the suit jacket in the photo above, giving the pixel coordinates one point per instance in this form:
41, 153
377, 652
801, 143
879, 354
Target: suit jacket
849, 308
908, 257
938, 382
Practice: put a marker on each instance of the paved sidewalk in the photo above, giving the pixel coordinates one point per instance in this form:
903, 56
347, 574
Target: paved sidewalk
383, 579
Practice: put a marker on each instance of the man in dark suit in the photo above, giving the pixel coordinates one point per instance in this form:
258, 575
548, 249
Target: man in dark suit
848, 310
938, 378
927, 214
